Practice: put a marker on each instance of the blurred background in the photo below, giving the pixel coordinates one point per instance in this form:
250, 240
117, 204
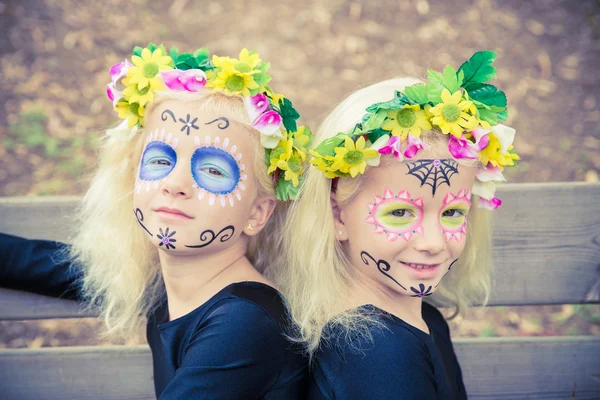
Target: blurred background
55, 55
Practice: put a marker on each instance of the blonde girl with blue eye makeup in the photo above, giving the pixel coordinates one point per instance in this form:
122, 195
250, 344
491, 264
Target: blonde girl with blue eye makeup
390, 222
181, 225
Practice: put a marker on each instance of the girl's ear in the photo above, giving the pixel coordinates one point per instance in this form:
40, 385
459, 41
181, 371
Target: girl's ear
338, 218
259, 215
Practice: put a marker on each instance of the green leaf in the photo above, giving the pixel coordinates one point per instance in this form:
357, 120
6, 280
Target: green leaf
434, 86
327, 146
137, 51
503, 115
487, 94
417, 93
289, 115
450, 80
202, 53
375, 134
375, 120
151, 47
488, 116
479, 68
460, 77
396, 103
285, 190
174, 53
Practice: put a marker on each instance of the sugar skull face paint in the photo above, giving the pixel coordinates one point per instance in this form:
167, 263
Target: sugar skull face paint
157, 161
453, 215
396, 215
217, 170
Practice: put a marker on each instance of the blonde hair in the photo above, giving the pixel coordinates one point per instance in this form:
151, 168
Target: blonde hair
122, 278
319, 274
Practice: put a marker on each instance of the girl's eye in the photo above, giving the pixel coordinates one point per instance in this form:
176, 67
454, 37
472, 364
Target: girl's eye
453, 213
400, 213
212, 171
160, 161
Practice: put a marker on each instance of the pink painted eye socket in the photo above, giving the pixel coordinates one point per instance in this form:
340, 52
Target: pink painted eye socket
453, 215
396, 215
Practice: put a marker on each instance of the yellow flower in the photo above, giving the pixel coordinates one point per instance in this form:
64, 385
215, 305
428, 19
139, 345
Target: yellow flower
301, 138
247, 62
451, 115
233, 82
145, 70
353, 157
323, 163
492, 154
410, 119
132, 111
134, 95
282, 152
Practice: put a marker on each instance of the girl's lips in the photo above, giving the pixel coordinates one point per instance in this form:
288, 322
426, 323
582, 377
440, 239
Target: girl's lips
170, 213
422, 271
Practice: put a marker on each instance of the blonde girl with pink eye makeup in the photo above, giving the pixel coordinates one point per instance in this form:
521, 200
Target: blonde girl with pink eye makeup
392, 221
180, 226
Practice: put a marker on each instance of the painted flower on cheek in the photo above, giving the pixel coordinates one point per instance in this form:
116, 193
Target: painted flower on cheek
396, 215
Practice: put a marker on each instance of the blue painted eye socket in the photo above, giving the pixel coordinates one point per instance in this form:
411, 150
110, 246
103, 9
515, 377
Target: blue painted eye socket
215, 170
158, 161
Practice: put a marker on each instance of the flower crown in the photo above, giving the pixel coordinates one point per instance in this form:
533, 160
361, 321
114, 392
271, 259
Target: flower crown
153, 69
460, 104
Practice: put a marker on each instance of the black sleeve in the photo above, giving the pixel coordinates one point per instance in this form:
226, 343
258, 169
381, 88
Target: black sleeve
393, 368
38, 266
234, 354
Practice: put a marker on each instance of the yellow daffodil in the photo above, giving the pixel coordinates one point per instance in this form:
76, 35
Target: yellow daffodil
134, 95
353, 157
247, 62
410, 119
301, 138
146, 69
282, 152
132, 111
233, 82
451, 114
323, 163
292, 167
492, 154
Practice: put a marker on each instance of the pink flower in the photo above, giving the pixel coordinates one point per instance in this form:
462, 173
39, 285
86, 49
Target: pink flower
256, 105
491, 204
392, 147
464, 148
413, 145
191, 80
489, 173
119, 70
113, 94
268, 122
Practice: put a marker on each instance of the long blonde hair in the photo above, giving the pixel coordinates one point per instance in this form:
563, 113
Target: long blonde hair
318, 275
122, 278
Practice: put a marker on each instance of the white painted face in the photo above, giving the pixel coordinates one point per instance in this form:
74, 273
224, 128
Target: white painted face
407, 225
192, 191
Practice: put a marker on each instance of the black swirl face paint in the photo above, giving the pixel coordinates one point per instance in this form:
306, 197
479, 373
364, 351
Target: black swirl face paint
449, 268
433, 173
382, 265
140, 218
167, 239
166, 113
208, 236
223, 124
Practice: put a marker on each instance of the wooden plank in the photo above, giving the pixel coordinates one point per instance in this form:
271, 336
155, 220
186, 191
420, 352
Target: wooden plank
496, 368
546, 242
15, 305
530, 368
120, 372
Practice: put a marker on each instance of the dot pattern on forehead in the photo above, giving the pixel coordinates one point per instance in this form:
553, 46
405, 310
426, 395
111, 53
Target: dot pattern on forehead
458, 232
229, 196
157, 135
433, 173
379, 212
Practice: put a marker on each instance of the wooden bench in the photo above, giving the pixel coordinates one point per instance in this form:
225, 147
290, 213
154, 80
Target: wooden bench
546, 250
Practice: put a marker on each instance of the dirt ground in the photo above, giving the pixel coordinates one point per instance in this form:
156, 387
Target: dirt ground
55, 54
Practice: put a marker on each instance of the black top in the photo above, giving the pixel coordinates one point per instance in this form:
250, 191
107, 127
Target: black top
231, 347
400, 363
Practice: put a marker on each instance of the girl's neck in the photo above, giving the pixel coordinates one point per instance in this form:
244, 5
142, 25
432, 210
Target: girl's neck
190, 281
407, 308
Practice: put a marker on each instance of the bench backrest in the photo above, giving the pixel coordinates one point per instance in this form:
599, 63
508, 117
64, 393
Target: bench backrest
546, 251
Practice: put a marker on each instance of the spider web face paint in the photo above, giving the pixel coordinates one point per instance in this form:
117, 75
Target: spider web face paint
396, 216
433, 172
455, 226
217, 171
157, 161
